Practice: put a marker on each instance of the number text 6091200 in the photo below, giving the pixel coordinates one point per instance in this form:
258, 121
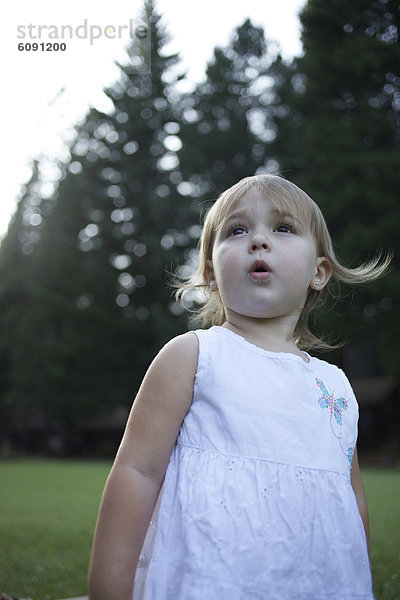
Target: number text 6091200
42, 47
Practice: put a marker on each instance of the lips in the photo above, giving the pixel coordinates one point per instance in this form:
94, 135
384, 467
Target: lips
259, 271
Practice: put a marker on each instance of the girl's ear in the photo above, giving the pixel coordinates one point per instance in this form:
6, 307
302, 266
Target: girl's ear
210, 276
323, 273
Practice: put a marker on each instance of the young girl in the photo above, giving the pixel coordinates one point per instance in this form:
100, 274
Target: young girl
240, 447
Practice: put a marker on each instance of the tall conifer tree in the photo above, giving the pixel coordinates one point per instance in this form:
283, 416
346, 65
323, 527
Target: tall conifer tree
336, 113
222, 118
100, 306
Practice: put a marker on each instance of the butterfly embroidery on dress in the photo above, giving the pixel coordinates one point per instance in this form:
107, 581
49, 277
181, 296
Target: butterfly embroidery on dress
327, 400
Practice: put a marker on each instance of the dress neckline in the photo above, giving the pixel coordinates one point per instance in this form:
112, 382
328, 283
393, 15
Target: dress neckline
259, 350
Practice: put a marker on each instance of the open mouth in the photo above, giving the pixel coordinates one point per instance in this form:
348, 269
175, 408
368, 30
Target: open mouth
259, 270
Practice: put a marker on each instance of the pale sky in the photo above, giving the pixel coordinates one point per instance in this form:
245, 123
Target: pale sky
45, 93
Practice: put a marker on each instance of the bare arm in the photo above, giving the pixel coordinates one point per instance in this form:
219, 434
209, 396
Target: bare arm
359, 492
136, 477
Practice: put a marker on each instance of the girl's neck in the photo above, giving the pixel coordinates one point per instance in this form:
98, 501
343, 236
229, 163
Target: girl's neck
274, 335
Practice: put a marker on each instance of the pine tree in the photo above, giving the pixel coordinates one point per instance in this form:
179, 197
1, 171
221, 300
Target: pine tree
15, 297
336, 113
100, 305
222, 117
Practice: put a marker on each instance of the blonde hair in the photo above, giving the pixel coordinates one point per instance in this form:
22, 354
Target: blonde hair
287, 198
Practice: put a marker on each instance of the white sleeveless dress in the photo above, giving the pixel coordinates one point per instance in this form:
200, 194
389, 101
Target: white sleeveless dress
257, 501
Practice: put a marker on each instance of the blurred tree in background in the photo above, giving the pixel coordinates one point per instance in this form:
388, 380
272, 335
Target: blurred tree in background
223, 116
15, 300
337, 122
84, 300
93, 304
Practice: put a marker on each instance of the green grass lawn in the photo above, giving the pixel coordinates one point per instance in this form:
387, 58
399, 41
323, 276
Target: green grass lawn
48, 511
47, 517
382, 488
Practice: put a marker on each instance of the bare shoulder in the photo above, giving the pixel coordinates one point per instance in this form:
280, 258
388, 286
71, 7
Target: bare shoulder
160, 406
167, 388
173, 370
183, 348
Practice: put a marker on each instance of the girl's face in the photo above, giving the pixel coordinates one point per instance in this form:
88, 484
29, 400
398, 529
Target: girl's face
264, 262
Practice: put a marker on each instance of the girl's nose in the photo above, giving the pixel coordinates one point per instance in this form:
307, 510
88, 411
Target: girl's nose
258, 242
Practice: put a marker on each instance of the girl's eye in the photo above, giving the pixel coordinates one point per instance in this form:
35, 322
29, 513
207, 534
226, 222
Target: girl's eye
285, 228
236, 230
